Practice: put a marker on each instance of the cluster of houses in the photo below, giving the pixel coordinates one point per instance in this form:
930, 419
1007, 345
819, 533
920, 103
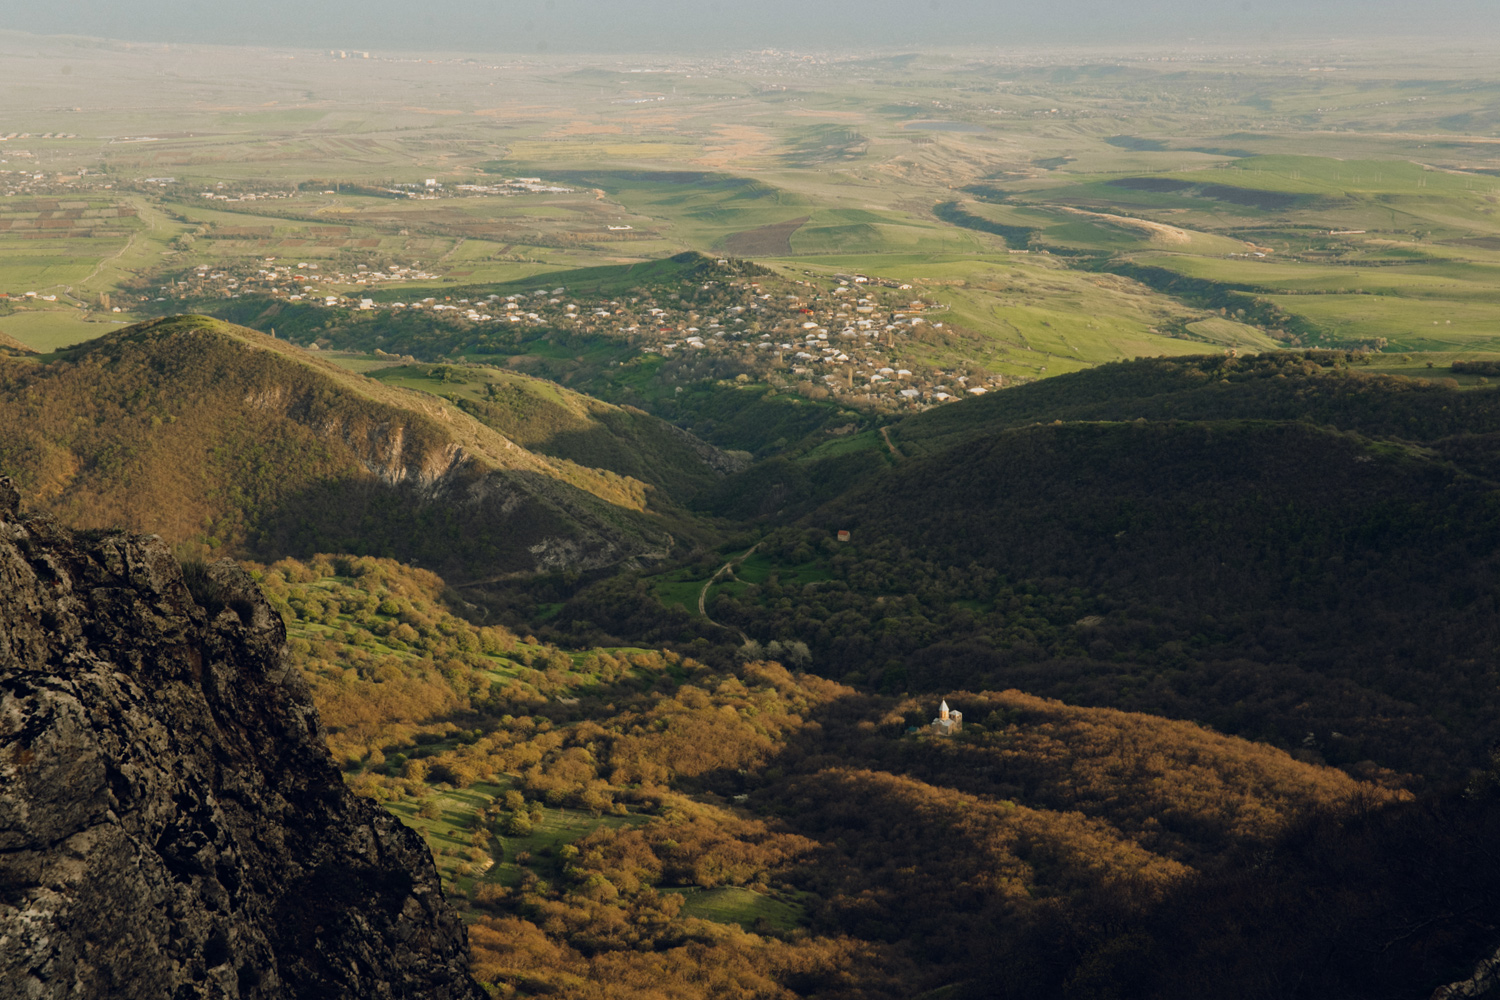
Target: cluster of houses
852, 340
31, 182
232, 196
427, 189
513, 186
295, 282
431, 189
849, 338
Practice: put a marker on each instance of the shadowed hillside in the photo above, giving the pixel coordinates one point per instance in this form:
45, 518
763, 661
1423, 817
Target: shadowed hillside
1283, 547
1278, 580
1332, 388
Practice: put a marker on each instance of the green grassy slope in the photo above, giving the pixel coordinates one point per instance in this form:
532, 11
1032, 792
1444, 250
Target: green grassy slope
547, 418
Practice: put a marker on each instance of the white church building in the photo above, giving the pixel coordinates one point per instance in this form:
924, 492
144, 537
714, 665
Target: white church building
948, 722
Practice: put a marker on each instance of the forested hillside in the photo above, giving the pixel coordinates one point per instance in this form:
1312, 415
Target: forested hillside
1338, 389
1189, 549
630, 822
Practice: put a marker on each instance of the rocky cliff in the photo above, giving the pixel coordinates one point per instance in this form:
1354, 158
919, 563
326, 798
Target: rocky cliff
170, 823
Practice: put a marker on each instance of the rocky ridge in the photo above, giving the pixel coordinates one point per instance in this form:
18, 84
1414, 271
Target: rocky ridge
171, 824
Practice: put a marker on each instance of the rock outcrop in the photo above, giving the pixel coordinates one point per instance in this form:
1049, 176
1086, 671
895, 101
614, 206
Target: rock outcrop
170, 823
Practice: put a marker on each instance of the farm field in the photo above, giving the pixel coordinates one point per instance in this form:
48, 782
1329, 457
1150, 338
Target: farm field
48, 330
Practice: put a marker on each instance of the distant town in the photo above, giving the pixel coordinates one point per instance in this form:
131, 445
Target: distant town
850, 337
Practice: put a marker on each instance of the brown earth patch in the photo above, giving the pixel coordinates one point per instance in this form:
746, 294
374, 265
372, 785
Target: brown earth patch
1482, 242
732, 143
767, 241
586, 128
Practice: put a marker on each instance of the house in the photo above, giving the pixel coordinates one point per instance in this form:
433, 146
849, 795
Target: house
843, 535
948, 721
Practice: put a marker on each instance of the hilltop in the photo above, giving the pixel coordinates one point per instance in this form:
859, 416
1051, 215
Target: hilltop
1349, 391
219, 436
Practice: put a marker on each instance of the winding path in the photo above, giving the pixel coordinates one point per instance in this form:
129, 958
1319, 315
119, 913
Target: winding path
885, 432
703, 594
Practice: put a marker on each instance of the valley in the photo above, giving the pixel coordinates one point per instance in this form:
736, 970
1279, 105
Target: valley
635, 452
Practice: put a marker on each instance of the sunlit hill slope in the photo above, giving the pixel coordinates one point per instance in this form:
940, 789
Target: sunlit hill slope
222, 437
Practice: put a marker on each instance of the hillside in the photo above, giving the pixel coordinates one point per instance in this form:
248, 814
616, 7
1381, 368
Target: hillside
550, 419
11, 346
1348, 391
221, 437
1274, 579
1282, 547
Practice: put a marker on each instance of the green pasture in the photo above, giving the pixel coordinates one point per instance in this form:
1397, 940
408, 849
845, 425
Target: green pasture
746, 907
1376, 195
603, 279
49, 330
863, 441
556, 828
697, 208
45, 266
1416, 303
1408, 324
1408, 278
1324, 175
468, 853
462, 846
845, 231
679, 588
362, 364
1228, 333
1432, 365
450, 836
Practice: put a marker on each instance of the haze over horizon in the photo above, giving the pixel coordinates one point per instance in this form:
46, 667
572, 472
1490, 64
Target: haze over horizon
680, 26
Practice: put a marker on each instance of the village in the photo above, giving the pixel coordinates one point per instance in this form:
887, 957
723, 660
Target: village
847, 337
427, 189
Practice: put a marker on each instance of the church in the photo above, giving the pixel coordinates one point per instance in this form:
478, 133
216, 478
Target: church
948, 721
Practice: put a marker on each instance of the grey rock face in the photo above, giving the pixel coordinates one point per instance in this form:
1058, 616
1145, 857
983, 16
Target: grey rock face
170, 823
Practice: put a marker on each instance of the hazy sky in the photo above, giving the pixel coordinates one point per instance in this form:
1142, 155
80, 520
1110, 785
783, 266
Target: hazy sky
680, 25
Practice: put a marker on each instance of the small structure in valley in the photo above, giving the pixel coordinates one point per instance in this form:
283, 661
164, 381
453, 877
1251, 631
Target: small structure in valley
948, 722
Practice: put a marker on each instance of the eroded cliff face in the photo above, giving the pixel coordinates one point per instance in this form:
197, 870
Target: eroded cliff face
170, 822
